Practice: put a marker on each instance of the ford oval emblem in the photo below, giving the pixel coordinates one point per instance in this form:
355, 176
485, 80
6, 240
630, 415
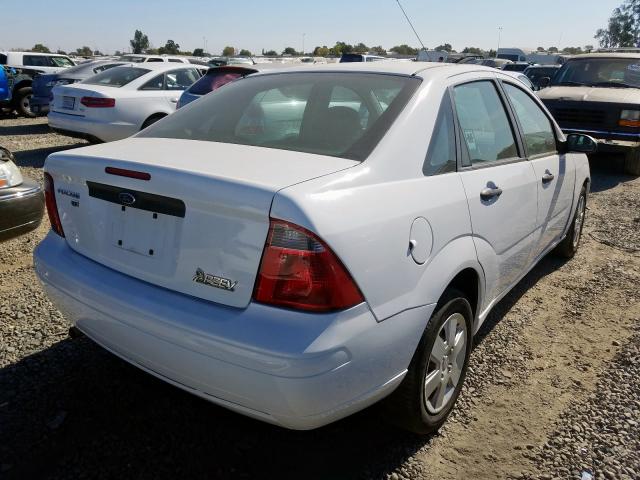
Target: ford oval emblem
126, 198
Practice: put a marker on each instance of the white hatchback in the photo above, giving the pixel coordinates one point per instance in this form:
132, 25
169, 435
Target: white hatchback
298, 245
121, 101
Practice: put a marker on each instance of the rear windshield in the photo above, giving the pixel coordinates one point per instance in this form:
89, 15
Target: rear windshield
215, 79
600, 72
338, 114
117, 77
132, 59
351, 57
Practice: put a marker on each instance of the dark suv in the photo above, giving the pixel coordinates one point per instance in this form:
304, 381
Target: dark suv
599, 95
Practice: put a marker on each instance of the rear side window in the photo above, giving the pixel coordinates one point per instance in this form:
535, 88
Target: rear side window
156, 83
181, 79
351, 57
536, 127
153, 59
216, 79
117, 77
304, 112
441, 156
484, 123
102, 68
36, 61
3, 59
175, 60
61, 62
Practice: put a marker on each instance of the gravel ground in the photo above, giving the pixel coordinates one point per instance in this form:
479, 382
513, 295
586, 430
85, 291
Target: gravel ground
553, 389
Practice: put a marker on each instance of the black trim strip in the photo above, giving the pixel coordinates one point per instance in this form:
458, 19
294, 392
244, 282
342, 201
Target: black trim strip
142, 200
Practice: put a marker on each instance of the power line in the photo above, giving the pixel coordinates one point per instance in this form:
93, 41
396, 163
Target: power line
411, 25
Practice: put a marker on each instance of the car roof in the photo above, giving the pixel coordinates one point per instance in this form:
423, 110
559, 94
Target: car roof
160, 66
390, 67
606, 55
35, 53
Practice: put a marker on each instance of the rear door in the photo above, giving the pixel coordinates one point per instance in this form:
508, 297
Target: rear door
499, 182
177, 81
555, 177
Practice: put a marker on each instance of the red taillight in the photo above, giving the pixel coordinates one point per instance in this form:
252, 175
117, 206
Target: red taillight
123, 172
52, 207
98, 102
298, 270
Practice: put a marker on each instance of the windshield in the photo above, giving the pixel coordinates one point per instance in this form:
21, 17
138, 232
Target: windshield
600, 72
338, 114
132, 59
117, 77
62, 62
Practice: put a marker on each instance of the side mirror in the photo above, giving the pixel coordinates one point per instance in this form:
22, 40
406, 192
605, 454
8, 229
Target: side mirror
578, 143
544, 82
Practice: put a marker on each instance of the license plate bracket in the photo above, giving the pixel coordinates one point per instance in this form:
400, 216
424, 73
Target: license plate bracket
68, 103
139, 231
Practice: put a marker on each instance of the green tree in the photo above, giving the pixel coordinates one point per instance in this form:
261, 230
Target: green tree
572, 50
140, 42
492, 53
404, 49
289, 51
553, 50
62, 52
228, 51
379, 50
540, 49
624, 26
244, 53
473, 51
198, 52
361, 48
97, 53
84, 52
38, 47
170, 48
341, 47
444, 48
321, 51
270, 53
588, 48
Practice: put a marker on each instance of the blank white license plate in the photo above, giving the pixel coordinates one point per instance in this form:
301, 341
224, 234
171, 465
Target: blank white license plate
139, 231
68, 103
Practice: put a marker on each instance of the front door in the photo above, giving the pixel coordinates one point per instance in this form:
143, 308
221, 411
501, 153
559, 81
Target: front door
500, 185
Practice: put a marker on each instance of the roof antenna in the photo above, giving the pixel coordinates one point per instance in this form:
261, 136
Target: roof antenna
411, 25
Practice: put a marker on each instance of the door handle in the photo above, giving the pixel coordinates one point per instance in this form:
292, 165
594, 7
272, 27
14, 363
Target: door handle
174, 100
490, 192
547, 177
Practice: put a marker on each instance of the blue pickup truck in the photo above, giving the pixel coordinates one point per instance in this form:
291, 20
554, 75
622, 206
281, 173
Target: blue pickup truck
6, 86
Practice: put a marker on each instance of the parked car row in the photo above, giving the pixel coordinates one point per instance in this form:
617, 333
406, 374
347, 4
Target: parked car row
299, 244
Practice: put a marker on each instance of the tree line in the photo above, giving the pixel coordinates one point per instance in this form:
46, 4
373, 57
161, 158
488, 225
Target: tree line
623, 28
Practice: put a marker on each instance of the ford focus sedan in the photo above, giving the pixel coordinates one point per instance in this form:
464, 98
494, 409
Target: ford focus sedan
299, 245
120, 101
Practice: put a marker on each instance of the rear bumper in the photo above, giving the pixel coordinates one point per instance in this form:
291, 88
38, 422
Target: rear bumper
39, 105
292, 369
82, 127
21, 209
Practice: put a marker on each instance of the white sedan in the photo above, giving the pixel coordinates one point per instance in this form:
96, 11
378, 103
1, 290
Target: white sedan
298, 245
120, 101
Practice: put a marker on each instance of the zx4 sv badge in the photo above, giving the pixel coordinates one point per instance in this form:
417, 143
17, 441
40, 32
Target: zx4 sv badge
213, 280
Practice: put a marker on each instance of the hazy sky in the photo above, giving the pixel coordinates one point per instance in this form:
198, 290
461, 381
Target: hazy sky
275, 24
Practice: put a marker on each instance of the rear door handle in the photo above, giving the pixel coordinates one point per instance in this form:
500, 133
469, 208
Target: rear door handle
547, 177
174, 100
490, 192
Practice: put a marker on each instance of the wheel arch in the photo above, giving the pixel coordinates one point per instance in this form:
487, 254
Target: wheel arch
158, 115
467, 281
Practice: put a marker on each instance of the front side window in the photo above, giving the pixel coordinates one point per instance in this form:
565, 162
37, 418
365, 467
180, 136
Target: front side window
484, 123
441, 156
117, 77
536, 127
306, 112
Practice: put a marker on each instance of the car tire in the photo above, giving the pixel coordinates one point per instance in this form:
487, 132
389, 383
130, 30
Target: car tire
632, 162
151, 120
568, 247
22, 98
430, 388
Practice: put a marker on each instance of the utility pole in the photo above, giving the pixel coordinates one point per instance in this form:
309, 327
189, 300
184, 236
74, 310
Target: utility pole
499, 37
303, 35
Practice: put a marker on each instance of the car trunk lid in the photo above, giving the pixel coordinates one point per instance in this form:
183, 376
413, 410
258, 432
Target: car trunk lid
198, 225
